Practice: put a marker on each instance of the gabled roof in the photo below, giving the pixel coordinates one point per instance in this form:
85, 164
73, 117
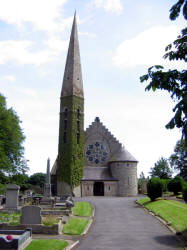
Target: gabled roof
97, 173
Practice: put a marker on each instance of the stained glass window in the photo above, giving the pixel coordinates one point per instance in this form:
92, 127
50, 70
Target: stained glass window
97, 153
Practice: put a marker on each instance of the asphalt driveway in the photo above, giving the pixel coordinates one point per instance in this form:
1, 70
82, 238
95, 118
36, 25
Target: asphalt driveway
121, 224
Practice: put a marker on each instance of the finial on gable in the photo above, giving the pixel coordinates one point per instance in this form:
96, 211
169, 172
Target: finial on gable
97, 119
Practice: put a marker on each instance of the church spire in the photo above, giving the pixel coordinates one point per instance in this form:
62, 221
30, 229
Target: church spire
72, 82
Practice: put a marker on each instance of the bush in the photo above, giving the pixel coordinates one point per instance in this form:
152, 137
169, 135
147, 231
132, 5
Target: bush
154, 188
184, 192
165, 184
175, 185
2, 188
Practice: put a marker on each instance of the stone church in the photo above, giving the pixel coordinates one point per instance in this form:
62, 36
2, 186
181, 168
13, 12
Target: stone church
93, 160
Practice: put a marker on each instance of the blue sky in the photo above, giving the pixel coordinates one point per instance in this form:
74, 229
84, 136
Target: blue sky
119, 40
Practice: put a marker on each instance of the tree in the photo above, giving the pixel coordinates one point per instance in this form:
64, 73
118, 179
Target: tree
37, 179
142, 176
176, 185
21, 180
177, 159
161, 169
173, 81
11, 142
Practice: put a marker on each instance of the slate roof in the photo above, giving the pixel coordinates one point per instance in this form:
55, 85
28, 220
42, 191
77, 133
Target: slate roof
123, 155
54, 168
97, 173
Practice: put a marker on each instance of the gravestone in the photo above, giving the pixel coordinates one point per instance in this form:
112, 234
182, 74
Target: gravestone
12, 194
31, 215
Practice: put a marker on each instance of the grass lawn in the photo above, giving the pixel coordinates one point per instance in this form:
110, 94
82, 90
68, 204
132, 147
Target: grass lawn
171, 211
46, 244
75, 226
82, 209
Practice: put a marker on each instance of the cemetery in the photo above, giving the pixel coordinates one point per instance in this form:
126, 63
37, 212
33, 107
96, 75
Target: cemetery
50, 216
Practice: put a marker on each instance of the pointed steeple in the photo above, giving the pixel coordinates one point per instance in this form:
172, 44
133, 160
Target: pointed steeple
72, 82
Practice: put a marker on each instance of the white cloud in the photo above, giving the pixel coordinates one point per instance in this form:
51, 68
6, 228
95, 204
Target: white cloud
56, 44
9, 78
147, 48
22, 52
109, 5
41, 13
88, 34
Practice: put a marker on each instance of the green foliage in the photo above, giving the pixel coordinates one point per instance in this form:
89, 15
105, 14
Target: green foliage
82, 208
46, 244
178, 159
50, 220
176, 9
75, 226
161, 169
21, 180
165, 184
173, 81
184, 191
184, 194
37, 179
154, 188
2, 189
12, 219
70, 156
11, 139
172, 212
175, 185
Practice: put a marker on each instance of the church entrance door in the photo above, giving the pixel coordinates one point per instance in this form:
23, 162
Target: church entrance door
98, 189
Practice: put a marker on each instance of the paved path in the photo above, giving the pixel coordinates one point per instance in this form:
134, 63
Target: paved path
120, 224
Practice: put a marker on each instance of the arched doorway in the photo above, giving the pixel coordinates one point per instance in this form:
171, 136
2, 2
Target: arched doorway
98, 188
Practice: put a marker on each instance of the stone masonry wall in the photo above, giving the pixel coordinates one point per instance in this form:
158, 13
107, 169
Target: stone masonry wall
126, 173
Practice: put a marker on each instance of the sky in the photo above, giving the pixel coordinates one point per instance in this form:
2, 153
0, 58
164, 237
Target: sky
119, 40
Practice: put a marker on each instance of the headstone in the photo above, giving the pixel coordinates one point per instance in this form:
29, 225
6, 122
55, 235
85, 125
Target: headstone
31, 215
12, 194
47, 187
28, 193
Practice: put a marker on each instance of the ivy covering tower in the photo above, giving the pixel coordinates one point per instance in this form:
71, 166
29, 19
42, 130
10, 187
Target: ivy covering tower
69, 169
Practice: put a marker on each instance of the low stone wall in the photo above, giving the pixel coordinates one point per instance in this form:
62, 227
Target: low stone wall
55, 212
36, 229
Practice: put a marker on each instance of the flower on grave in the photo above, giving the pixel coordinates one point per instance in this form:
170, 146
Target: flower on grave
9, 237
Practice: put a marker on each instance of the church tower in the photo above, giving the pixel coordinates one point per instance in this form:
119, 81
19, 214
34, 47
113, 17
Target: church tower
69, 169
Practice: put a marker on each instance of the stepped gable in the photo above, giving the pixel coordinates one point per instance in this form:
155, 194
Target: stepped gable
123, 155
97, 131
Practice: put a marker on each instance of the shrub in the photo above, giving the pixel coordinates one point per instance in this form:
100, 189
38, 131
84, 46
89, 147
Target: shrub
175, 185
165, 184
184, 192
2, 189
154, 188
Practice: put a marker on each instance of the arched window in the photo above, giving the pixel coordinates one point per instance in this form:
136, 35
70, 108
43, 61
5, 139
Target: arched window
78, 114
65, 112
78, 138
65, 137
65, 124
78, 125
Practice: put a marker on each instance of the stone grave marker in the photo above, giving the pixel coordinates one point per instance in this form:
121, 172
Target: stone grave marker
31, 215
12, 194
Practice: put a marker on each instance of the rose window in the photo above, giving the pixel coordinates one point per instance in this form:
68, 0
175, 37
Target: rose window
97, 153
